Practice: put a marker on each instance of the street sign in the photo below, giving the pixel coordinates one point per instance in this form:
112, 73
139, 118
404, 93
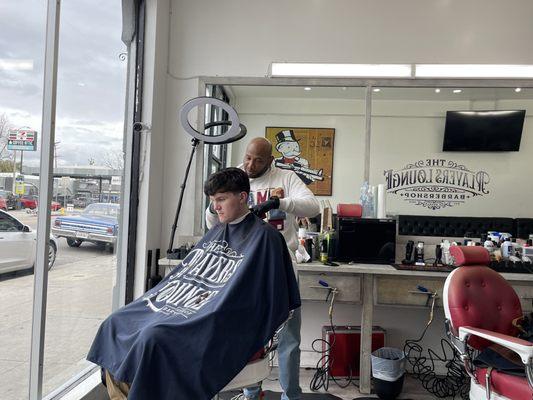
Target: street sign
22, 139
116, 180
20, 188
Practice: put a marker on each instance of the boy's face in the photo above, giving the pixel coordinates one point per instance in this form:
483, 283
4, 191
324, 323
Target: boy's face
228, 205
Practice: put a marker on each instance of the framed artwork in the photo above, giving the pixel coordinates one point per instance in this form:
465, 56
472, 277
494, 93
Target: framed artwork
306, 151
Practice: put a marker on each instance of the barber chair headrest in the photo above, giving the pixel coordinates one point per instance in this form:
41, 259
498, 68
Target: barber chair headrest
469, 255
349, 210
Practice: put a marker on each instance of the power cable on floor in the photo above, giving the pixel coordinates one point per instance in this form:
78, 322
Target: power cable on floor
455, 382
322, 376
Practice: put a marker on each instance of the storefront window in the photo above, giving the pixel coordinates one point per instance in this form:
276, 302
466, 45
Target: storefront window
87, 168
22, 38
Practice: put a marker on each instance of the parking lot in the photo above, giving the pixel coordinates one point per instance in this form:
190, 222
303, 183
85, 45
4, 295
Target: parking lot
79, 298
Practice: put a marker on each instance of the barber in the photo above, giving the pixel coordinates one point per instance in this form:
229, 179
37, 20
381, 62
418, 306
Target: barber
281, 192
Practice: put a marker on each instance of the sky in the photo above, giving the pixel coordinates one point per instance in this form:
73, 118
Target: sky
91, 76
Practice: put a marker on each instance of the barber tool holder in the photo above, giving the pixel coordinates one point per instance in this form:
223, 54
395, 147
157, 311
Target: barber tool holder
430, 295
235, 132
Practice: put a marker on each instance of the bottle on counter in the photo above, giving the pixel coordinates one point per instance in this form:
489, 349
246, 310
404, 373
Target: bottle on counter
302, 236
445, 247
419, 254
323, 249
488, 244
331, 238
507, 248
467, 239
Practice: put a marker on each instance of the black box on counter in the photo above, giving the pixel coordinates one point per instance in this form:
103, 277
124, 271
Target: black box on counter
366, 240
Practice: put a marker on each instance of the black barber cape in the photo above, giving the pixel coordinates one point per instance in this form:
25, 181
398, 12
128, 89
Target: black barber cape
190, 335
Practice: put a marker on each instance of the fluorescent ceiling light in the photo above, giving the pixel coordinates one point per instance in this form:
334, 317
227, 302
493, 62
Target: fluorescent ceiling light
307, 88
437, 90
376, 89
518, 90
340, 70
473, 71
16, 65
457, 90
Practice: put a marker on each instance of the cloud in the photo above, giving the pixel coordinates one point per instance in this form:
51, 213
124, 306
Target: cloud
91, 77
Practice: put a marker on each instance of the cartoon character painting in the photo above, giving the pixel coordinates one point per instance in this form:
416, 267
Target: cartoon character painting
288, 146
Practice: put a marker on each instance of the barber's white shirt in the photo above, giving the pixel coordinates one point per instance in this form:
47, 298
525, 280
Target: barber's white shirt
298, 200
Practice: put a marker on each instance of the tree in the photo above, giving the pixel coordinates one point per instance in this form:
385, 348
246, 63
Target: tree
113, 159
7, 166
5, 126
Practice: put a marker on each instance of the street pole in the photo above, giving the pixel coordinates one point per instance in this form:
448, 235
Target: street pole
14, 168
21, 158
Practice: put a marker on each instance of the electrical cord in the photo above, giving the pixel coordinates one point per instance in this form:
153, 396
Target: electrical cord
456, 380
322, 375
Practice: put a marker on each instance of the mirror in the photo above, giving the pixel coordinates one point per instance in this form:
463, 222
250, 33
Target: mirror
407, 127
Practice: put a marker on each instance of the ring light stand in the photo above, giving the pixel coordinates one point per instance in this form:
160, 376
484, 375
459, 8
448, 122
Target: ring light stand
235, 132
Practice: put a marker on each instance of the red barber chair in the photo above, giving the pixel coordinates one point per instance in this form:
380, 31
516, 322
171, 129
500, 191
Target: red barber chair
480, 306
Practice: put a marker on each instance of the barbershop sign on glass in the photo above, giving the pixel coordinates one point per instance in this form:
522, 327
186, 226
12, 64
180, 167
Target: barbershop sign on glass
436, 183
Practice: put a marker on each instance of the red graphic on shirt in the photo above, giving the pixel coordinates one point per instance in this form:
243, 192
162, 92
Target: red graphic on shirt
261, 196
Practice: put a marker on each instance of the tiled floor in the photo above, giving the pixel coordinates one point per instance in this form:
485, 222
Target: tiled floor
412, 388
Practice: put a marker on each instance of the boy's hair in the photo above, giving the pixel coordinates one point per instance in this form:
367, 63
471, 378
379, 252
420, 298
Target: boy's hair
232, 180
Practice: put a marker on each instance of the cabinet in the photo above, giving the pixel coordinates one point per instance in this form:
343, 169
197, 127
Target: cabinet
400, 291
348, 285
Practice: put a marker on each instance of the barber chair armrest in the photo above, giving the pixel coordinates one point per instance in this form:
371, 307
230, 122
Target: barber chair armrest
521, 347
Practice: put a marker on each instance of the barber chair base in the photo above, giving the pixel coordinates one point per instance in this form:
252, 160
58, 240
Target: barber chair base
253, 373
477, 392
503, 386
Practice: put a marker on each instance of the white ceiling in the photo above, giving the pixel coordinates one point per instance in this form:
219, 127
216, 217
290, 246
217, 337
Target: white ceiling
358, 93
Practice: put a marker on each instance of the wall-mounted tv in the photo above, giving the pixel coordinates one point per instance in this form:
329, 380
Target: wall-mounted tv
491, 130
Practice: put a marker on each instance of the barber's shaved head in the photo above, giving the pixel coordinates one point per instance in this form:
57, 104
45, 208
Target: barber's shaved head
261, 146
257, 157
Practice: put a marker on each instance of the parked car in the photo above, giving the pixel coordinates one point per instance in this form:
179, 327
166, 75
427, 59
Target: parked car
55, 206
28, 202
98, 223
10, 199
18, 244
81, 202
31, 202
3, 204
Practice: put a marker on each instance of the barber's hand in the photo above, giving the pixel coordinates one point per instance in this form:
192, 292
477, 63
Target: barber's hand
277, 192
261, 209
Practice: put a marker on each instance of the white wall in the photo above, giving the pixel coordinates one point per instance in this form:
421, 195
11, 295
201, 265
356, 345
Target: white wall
151, 161
241, 37
407, 131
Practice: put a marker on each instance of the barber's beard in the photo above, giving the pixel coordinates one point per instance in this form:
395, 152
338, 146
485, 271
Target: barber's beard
260, 174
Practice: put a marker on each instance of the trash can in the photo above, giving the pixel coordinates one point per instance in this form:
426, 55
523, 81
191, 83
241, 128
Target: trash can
388, 369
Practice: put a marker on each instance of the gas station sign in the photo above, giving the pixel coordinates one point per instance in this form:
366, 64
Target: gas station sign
22, 139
